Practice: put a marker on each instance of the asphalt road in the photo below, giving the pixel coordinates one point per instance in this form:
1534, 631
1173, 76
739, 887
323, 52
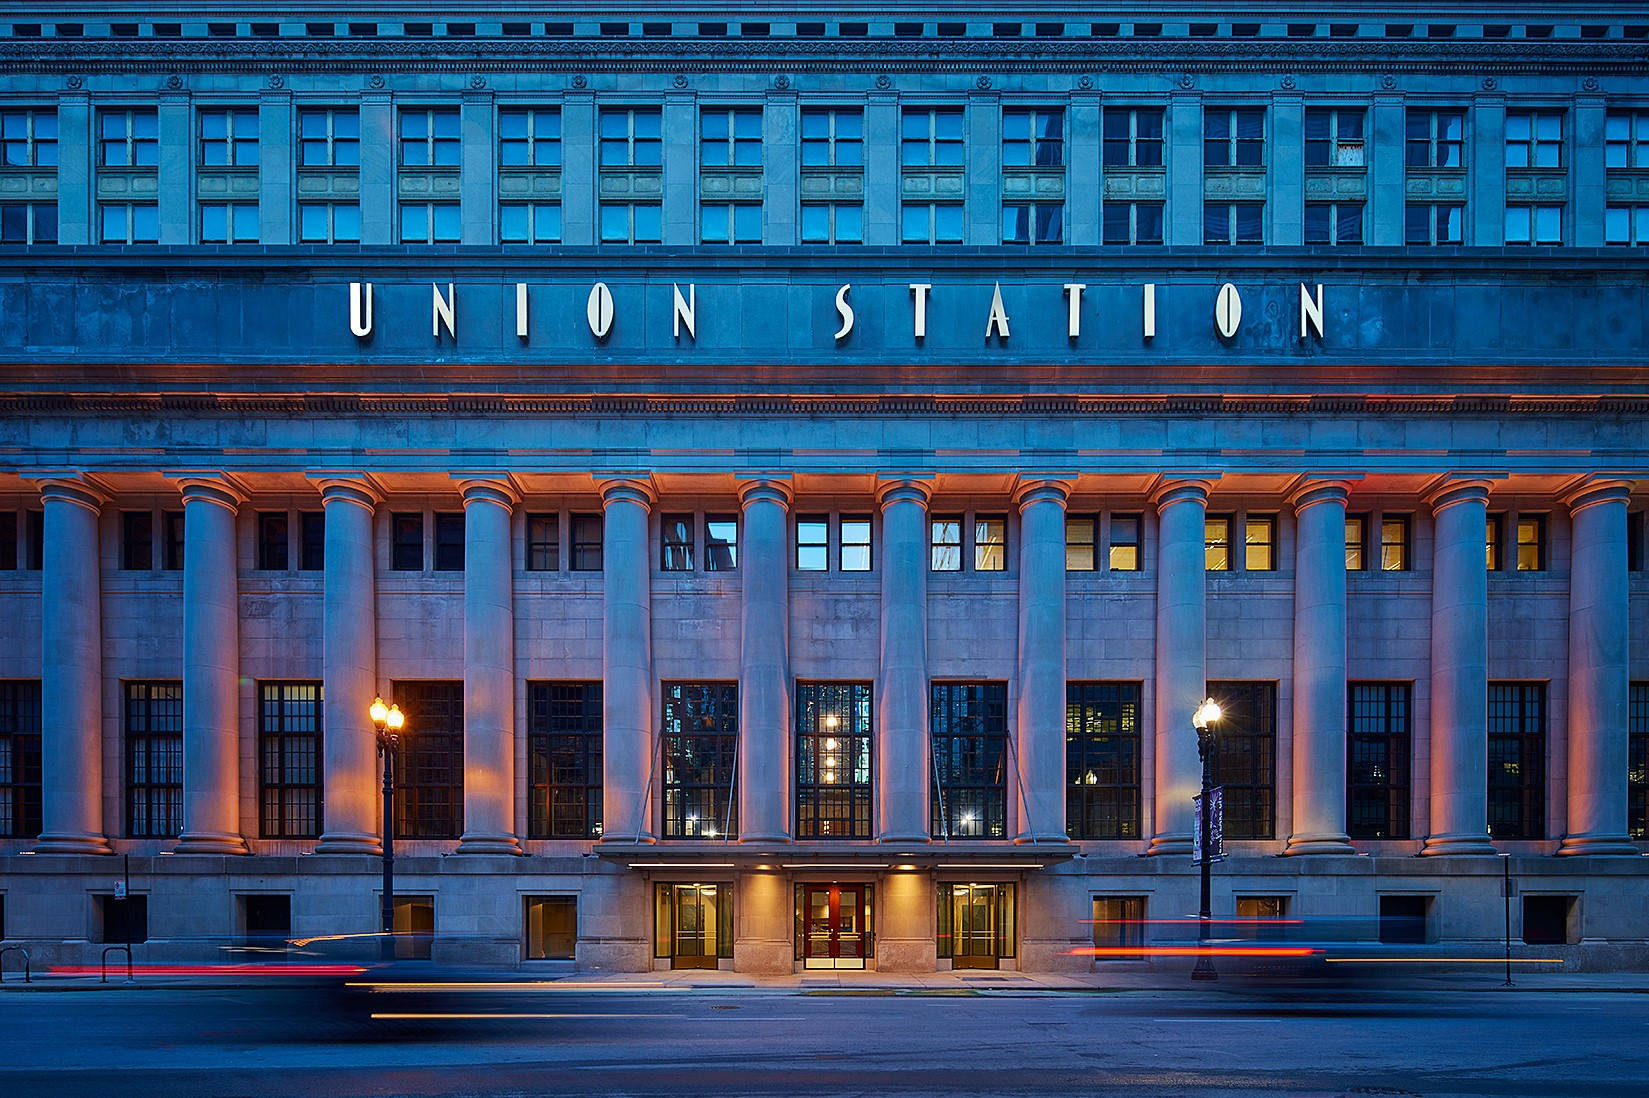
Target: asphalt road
266, 1042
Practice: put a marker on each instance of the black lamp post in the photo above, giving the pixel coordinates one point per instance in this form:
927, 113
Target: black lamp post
388, 720
1203, 720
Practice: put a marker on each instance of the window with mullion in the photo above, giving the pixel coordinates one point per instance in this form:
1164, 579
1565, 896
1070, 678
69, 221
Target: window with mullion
1102, 750
449, 541
969, 725
1517, 760
676, 543
1334, 223
1435, 138
430, 138
1245, 757
28, 138
833, 138
1133, 222
833, 223
1334, 138
154, 759
329, 138
730, 137
529, 137
20, 769
543, 542
1233, 137
1233, 222
1378, 751
1534, 139
1133, 137
289, 760
229, 137
1081, 543
564, 729
699, 740
931, 137
128, 138
28, 223
833, 763
429, 785
1033, 222
631, 138
1637, 762
1626, 139
1033, 138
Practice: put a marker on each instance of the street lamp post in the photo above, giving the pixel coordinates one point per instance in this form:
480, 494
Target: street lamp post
1203, 720
388, 720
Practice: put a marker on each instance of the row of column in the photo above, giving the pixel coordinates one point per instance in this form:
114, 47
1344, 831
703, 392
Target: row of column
72, 666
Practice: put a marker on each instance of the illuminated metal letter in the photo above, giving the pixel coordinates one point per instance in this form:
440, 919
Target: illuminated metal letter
599, 310
360, 316
1150, 317
442, 311
845, 311
998, 322
919, 307
1073, 295
521, 309
685, 311
1227, 311
1311, 312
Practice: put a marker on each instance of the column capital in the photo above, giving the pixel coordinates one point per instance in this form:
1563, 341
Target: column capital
1310, 489
358, 488
209, 488
1178, 489
70, 486
903, 489
767, 488
1452, 488
627, 488
1048, 487
496, 488
1596, 488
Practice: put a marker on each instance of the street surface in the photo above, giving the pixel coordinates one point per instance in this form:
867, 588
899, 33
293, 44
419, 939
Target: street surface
187, 1042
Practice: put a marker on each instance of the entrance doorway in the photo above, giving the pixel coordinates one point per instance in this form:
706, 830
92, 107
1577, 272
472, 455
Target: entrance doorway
835, 928
693, 924
976, 924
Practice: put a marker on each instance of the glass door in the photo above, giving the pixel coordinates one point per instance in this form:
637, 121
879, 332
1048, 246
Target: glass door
833, 928
692, 921
976, 924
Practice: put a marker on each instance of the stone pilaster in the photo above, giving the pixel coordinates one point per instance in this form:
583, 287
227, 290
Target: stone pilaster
489, 667
1040, 723
764, 664
904, 772
630, 751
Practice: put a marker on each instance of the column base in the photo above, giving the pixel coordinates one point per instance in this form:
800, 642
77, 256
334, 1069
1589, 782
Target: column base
350, 842
1615, 845
210, 842
920, 837
749, 839
489, 844
1041, 840
1457, 844
1169, 844
1326, 843
72, 842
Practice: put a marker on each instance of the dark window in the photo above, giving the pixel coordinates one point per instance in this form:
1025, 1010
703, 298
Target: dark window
1494, 542
1435, 139
1403, 919
1081, 543
1245, 756
854, 552
1126, 543
28, 223
552, 928
154, 760
1133, 137
931, 138
812, 543
1434, 223
123, 921
266, 921
1233, 223
721, 543
8, 541
544, 543
1033, 223
833, 776
1637, 762
676, 543
1133, 222
700, 743
449, 541
1394, 543
289, 759
585, 547
1233, 137
1636, 528
1517, 760
311, 541
1102, 747
35, 540
1334, 138
970, 752
414, 923
19, 760
272, 539
137, 540
564, 760
1546, 919
172, 547
406, 552
1119, 922
429, 787
1333, 222
1378, 749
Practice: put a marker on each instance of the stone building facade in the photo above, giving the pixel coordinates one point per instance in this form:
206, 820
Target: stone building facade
799, 477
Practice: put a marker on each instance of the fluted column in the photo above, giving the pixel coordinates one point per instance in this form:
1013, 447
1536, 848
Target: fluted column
903, 770
71, 672
1319, 669
630, 753
1459, 671
1040, 718
1182, 507
489, 668
211, 669
764, 664
349, 668
1599, 684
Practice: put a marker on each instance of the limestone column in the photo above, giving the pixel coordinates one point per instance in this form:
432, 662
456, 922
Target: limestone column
489, 668
211, 669
1599, 684
629, 754
1181, 683
71, 671
1459, 670
1319, 669
1040, 716
764, 664
904, 773
349, 668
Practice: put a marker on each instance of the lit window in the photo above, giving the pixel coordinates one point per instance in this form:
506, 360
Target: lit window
1494, 542
1394, 543
946, 544
1531, 543
1216, 543
990, 544
1081, 543
1125, 543
1260, 538
1356, 543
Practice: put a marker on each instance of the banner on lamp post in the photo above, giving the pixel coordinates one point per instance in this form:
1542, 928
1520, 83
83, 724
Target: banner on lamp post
1216, 826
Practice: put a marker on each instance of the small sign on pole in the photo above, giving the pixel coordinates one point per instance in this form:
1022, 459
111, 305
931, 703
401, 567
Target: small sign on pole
1216, 826
120, 890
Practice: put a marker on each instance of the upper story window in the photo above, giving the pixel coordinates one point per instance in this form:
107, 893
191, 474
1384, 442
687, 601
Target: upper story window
1531, 543
931, 138
812, 543
128, 139
1260, 548
430, 138
1334, 138
1133, 137
1625, 139
1534, 139
990, 543
676, 543
229, 138
1356, 543
854, 553
1033, 138
721, 543
1125, 543
1216, 543
1233, 137
833, 139
945, 543
630, 138
1394, 543
329, 139
529, 138
1435, 139
730, 137
28, 139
